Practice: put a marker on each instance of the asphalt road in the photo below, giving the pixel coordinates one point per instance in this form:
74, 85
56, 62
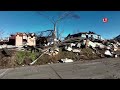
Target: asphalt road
108, 68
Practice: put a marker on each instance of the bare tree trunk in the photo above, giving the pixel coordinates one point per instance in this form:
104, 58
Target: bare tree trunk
55, 35
55, 22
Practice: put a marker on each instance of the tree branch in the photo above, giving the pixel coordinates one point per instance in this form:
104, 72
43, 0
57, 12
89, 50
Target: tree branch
51, 20
64, 15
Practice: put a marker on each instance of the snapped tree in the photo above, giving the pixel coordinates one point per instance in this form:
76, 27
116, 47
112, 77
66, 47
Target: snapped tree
64, 15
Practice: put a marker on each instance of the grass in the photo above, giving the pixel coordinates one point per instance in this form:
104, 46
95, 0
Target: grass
22, 55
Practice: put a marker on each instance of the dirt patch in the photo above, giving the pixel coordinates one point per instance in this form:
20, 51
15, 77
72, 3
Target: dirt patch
8, 61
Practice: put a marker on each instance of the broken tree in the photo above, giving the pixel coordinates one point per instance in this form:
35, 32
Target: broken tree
59, 19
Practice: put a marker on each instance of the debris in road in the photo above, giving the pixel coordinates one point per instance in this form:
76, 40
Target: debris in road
66, 60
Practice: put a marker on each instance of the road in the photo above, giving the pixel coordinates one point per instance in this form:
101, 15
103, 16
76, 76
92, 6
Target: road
108, 68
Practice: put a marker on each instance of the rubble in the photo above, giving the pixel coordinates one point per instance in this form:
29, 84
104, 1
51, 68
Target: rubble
78, 45
90, 43
108, 48
93, 44
118, 44
53, 51
108, 53
68, 48
100, 45
72, 44
115, 48
76, 50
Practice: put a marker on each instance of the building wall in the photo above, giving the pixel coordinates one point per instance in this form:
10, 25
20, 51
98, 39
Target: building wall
31, 41
24, 36
18, 41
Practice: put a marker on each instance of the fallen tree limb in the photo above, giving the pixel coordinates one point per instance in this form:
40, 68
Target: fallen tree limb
39, 57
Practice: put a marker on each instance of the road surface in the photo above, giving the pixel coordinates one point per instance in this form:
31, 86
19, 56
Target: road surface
108, 68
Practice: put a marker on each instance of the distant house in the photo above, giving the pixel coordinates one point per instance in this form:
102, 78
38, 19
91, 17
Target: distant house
3, 42
20, 39
82, 35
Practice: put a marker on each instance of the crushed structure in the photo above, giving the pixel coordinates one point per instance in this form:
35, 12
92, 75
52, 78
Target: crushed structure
82, 35
93, 41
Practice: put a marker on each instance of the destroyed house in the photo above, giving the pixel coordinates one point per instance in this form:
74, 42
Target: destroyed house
20, 39
89, 35
44, 37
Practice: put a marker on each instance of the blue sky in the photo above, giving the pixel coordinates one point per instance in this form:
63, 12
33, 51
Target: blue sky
31, 21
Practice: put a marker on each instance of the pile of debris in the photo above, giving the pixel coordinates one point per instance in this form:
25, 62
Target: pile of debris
64, 51
82, 49
107, 47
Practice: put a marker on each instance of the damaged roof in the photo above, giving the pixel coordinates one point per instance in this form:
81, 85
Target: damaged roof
79, 34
